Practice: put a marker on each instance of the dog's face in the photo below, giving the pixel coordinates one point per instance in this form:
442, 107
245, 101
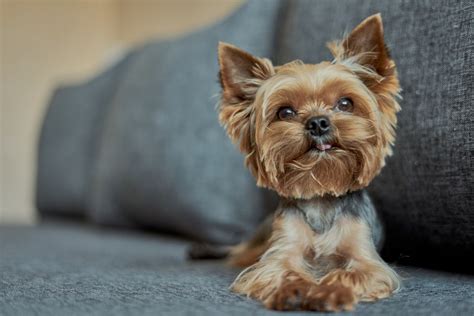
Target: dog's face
311, 130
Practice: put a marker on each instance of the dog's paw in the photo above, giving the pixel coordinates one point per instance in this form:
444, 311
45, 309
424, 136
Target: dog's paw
331, 298
367, 286
289, 296
304, 295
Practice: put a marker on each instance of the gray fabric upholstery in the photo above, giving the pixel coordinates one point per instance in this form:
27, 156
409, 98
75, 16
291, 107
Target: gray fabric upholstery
68, 143
164, 160
425, 191
165, 163
145, 146
63, 269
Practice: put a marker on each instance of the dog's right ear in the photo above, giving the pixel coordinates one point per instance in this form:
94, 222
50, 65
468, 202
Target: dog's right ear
241, 73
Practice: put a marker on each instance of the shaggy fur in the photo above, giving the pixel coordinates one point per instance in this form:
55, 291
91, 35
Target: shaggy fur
318, 252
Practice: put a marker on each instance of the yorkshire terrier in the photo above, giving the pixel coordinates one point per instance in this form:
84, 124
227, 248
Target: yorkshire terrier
317, 134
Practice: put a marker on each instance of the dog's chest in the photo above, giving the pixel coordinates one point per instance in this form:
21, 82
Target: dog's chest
320, 214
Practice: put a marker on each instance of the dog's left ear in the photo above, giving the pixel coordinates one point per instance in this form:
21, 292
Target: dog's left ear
241, 75
365, 46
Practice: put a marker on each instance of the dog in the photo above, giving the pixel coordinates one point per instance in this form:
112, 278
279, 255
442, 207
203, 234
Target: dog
317, 134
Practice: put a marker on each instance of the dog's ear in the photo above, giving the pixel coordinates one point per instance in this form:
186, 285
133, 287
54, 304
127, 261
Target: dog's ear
241, 74
364, 51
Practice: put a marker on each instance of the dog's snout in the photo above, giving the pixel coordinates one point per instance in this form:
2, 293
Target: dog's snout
318, 125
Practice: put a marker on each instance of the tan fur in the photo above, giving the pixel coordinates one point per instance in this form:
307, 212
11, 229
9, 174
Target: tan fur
250, 251
244, 255
342, 262
297, 268
280, 263
277, 151
364, 272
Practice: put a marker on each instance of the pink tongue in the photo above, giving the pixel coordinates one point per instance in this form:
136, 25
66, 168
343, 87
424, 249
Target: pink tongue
323, 147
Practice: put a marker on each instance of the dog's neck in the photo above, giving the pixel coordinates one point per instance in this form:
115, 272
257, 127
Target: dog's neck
322, 211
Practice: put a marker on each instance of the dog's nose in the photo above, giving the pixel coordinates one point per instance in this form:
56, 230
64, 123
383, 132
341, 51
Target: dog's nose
318, 125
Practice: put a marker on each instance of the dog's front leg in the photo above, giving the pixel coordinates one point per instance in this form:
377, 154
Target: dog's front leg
362, 270
284, 278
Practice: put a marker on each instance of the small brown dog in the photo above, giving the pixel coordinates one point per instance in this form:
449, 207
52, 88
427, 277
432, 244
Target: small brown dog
317, 135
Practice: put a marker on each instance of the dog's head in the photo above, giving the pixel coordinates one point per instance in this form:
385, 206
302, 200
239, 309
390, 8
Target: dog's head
313, 129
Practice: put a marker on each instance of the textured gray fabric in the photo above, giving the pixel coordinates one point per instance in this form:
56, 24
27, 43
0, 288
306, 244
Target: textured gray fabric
69, 139
164, 161
426, 190
77, 270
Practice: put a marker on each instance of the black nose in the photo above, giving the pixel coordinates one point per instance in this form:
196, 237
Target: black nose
318, 125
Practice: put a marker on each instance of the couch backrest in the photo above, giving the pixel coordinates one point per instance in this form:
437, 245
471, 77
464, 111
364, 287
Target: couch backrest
141, 144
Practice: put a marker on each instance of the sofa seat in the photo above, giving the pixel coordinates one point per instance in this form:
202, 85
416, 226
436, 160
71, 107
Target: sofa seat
66, 268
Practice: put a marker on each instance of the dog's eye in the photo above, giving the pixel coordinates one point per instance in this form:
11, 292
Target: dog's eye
344, 104
286, 112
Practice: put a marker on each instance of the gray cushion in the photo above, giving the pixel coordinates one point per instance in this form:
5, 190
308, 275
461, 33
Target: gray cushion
78, 270
425, 191
69, 139
164, 161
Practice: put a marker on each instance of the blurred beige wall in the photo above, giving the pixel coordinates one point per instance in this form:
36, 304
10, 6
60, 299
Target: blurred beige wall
47, 42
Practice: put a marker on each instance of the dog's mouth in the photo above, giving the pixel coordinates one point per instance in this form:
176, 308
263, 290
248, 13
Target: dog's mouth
318, 149
323, 147
322, 144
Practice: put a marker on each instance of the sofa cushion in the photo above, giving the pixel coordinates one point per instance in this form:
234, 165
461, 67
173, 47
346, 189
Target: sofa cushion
68, 142
164, 161
425, 191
